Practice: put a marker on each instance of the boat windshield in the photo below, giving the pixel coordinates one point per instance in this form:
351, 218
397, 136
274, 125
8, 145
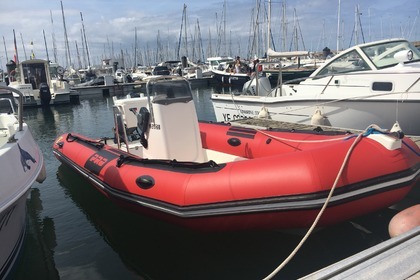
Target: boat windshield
34, 73
346, 63
170, 91
215, 63
382, 55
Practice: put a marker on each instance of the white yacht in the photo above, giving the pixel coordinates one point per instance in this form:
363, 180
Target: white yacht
377, 82
21, 164
40, 82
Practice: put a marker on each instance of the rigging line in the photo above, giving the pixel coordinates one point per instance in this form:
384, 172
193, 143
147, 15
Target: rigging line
310, 230
234, 104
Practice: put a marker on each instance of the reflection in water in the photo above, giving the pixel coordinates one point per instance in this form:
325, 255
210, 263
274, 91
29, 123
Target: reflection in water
38, 251
157, 250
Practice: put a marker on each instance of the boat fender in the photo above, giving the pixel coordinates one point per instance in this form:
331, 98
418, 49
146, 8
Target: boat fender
234, 142
263, 114
143, 125
404, 221
319, 119
145, 182
42, 174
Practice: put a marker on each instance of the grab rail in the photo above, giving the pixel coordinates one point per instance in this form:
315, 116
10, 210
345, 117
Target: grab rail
298, 80
20, 104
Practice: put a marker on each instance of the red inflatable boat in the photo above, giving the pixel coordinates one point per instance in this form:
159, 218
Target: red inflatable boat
163, 162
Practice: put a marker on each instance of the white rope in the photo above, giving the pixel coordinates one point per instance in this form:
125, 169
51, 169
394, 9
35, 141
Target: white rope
235, 105
318, 217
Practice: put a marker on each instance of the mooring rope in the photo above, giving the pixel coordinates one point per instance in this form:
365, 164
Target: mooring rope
318, 217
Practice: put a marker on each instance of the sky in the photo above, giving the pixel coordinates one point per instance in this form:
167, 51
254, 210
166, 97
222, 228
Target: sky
213, 27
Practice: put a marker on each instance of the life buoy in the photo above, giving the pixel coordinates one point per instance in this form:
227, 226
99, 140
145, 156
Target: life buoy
260, 68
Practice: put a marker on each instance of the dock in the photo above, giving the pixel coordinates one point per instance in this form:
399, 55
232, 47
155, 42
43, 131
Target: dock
396, 258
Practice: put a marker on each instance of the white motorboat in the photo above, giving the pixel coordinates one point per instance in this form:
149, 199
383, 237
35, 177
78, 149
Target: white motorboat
40, 82
377, 82
21, 164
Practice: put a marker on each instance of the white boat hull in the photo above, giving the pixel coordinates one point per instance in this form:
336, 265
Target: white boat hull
343, 114
21, 164
12, 234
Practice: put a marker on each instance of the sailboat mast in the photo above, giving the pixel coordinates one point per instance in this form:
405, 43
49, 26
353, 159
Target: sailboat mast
180, 32
284, 26
356, 25
224, 27
5, 50
46, 48
53, 38
66, 40
338, 26
135, 47
86, 42
269, 24
185, 30
23, 46
83, 49
78, 55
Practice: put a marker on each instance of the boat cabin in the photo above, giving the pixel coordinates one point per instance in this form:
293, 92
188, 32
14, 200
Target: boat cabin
219, 62
370, 56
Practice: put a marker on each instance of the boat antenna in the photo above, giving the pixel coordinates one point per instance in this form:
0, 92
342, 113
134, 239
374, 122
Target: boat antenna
23, 45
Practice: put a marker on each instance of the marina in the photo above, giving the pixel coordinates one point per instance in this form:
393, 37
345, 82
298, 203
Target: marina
211, 140
74, 232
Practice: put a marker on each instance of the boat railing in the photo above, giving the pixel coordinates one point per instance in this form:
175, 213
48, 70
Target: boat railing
8, 100
119, 127
20, 104
332, 76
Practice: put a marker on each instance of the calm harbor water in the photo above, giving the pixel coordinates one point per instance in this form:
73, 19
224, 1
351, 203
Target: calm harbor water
74, 232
